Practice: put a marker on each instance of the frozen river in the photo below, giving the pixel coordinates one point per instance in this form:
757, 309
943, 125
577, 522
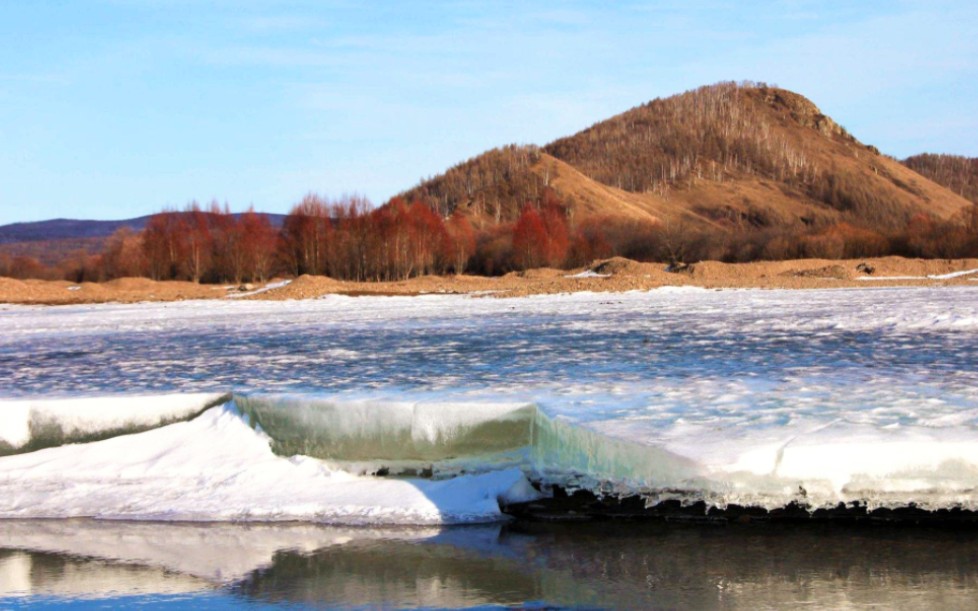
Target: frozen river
294, 412
727, 396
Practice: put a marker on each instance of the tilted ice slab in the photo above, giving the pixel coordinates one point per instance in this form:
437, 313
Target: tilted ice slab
215, 467
806, 460
393, 567
31, 424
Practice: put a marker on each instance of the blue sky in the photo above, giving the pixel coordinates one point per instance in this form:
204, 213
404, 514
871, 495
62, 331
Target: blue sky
117, 108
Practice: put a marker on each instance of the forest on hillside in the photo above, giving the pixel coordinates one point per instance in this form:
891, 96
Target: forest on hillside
715, 131
959, 174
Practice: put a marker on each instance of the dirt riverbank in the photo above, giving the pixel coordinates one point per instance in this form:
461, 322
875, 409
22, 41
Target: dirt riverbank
611, 275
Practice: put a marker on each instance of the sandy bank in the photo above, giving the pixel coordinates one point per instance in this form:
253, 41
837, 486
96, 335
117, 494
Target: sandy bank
611, 275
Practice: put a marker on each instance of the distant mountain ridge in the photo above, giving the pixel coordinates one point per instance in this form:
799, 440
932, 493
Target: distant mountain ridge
63, 229
50, 241
80, 229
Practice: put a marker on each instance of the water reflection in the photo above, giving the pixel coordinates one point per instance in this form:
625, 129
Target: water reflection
594, 565
30, 574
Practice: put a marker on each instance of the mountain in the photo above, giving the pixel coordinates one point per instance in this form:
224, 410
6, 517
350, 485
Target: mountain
723, 157
959, 174
75, 229
66, 229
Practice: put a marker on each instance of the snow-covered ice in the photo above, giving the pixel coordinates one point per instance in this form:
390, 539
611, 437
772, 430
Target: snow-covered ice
215, 467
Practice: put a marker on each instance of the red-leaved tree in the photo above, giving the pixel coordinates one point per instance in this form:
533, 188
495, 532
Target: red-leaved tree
258, 239
164, 245
461, 243
199, 243
529, 239
305, 237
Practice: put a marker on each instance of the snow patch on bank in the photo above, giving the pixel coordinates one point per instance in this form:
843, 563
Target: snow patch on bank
948, 276
271, 286
588, 273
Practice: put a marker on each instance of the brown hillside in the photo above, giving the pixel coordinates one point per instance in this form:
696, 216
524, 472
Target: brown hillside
494, 187
733, 156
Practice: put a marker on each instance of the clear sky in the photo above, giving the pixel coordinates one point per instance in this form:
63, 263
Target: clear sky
117, 108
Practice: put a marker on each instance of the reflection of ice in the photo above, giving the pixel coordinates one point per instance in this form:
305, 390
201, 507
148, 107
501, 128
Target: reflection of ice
216, 553
597, 565
15, 574
25, 574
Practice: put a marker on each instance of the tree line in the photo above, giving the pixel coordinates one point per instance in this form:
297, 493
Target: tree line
348, 239
922, 236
